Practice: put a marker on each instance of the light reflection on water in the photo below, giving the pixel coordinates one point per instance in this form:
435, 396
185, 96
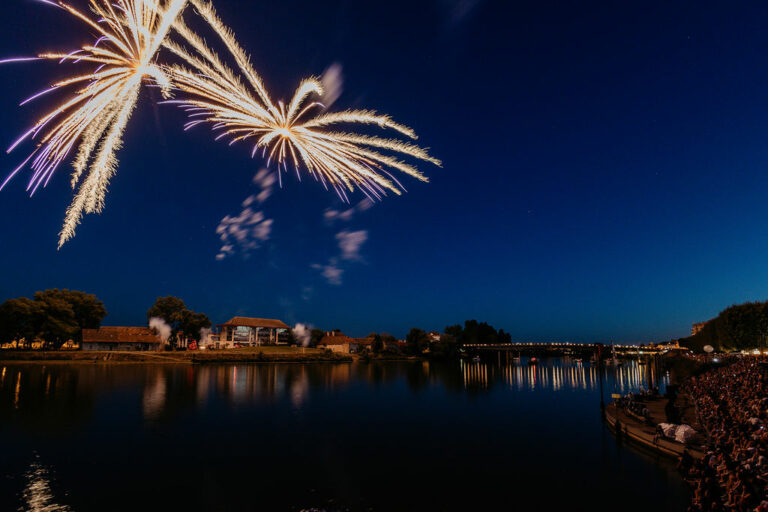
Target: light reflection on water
242, 384
222, 432
564, 374
38, 496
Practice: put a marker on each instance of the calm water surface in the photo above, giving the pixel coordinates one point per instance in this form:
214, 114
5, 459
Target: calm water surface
391, 436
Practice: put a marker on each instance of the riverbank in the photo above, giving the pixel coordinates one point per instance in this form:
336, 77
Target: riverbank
261, 355
643, 433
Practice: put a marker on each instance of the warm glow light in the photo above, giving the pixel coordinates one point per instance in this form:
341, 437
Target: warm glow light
297, 134
94, 117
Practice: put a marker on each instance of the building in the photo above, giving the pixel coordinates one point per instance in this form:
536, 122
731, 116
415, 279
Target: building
243, 331
121, 338
337, 342
696, 328
357, 345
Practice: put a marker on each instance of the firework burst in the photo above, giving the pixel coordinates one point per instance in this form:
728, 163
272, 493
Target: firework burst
94, 117
301, 134
123, 59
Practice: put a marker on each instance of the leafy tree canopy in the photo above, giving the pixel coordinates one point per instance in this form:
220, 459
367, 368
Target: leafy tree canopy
477, 333
179, 318
417, 341
315, 336
54, 316
739, 327
378, 344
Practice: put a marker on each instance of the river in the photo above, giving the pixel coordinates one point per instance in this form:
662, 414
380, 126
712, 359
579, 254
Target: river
384, 436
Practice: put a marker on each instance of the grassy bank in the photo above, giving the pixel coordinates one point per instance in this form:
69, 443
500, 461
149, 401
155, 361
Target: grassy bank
260, 355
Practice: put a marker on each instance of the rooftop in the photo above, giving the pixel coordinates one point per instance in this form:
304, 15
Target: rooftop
336, 339
121, 335
244, 321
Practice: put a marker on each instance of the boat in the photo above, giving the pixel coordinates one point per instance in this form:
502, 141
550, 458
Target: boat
533, 361
516, 359
578, 360
476, 359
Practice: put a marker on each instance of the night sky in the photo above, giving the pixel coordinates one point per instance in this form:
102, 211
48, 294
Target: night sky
604, 172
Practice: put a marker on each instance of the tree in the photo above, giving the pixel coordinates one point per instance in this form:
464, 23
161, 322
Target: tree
417, 341
389, 343
378, 344
739, 327
445, 348
54, 316
456, 331
66, 313
315, 336
504, 337
20, 319
179, 318
192, 323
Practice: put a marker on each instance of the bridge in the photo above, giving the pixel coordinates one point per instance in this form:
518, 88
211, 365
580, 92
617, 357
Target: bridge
564, 348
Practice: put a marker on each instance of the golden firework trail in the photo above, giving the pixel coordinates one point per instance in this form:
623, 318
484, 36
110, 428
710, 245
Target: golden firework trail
124, 57
93, 118
300, 134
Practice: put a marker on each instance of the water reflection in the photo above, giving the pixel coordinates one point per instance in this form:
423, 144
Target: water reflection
38, 393
37, 495
154, 395
563, 374
218, 434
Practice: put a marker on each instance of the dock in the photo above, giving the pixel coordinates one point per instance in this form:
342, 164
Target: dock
643, 433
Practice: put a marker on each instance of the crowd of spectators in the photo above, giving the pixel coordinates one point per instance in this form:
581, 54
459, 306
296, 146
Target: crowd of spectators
635, 404
732, 406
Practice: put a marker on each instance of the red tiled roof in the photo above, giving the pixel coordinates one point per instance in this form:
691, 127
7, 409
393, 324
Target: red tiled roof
243, 321
336, 340
121, 335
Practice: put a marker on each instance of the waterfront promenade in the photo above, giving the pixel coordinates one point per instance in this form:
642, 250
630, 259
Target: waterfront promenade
643, 433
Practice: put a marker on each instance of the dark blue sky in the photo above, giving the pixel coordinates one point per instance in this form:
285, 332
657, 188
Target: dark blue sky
604, 172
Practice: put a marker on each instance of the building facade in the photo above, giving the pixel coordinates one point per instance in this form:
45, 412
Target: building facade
336, 342
343, 344
360, 344
135, 339
243, 331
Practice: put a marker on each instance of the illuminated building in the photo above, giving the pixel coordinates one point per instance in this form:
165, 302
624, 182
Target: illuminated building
253, 332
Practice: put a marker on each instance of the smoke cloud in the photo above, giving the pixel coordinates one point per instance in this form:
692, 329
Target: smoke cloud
331, 272
162, 328
251, 229
333, 84
303, 334
350, 243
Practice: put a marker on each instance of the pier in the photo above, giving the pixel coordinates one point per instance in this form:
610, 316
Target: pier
643, 433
